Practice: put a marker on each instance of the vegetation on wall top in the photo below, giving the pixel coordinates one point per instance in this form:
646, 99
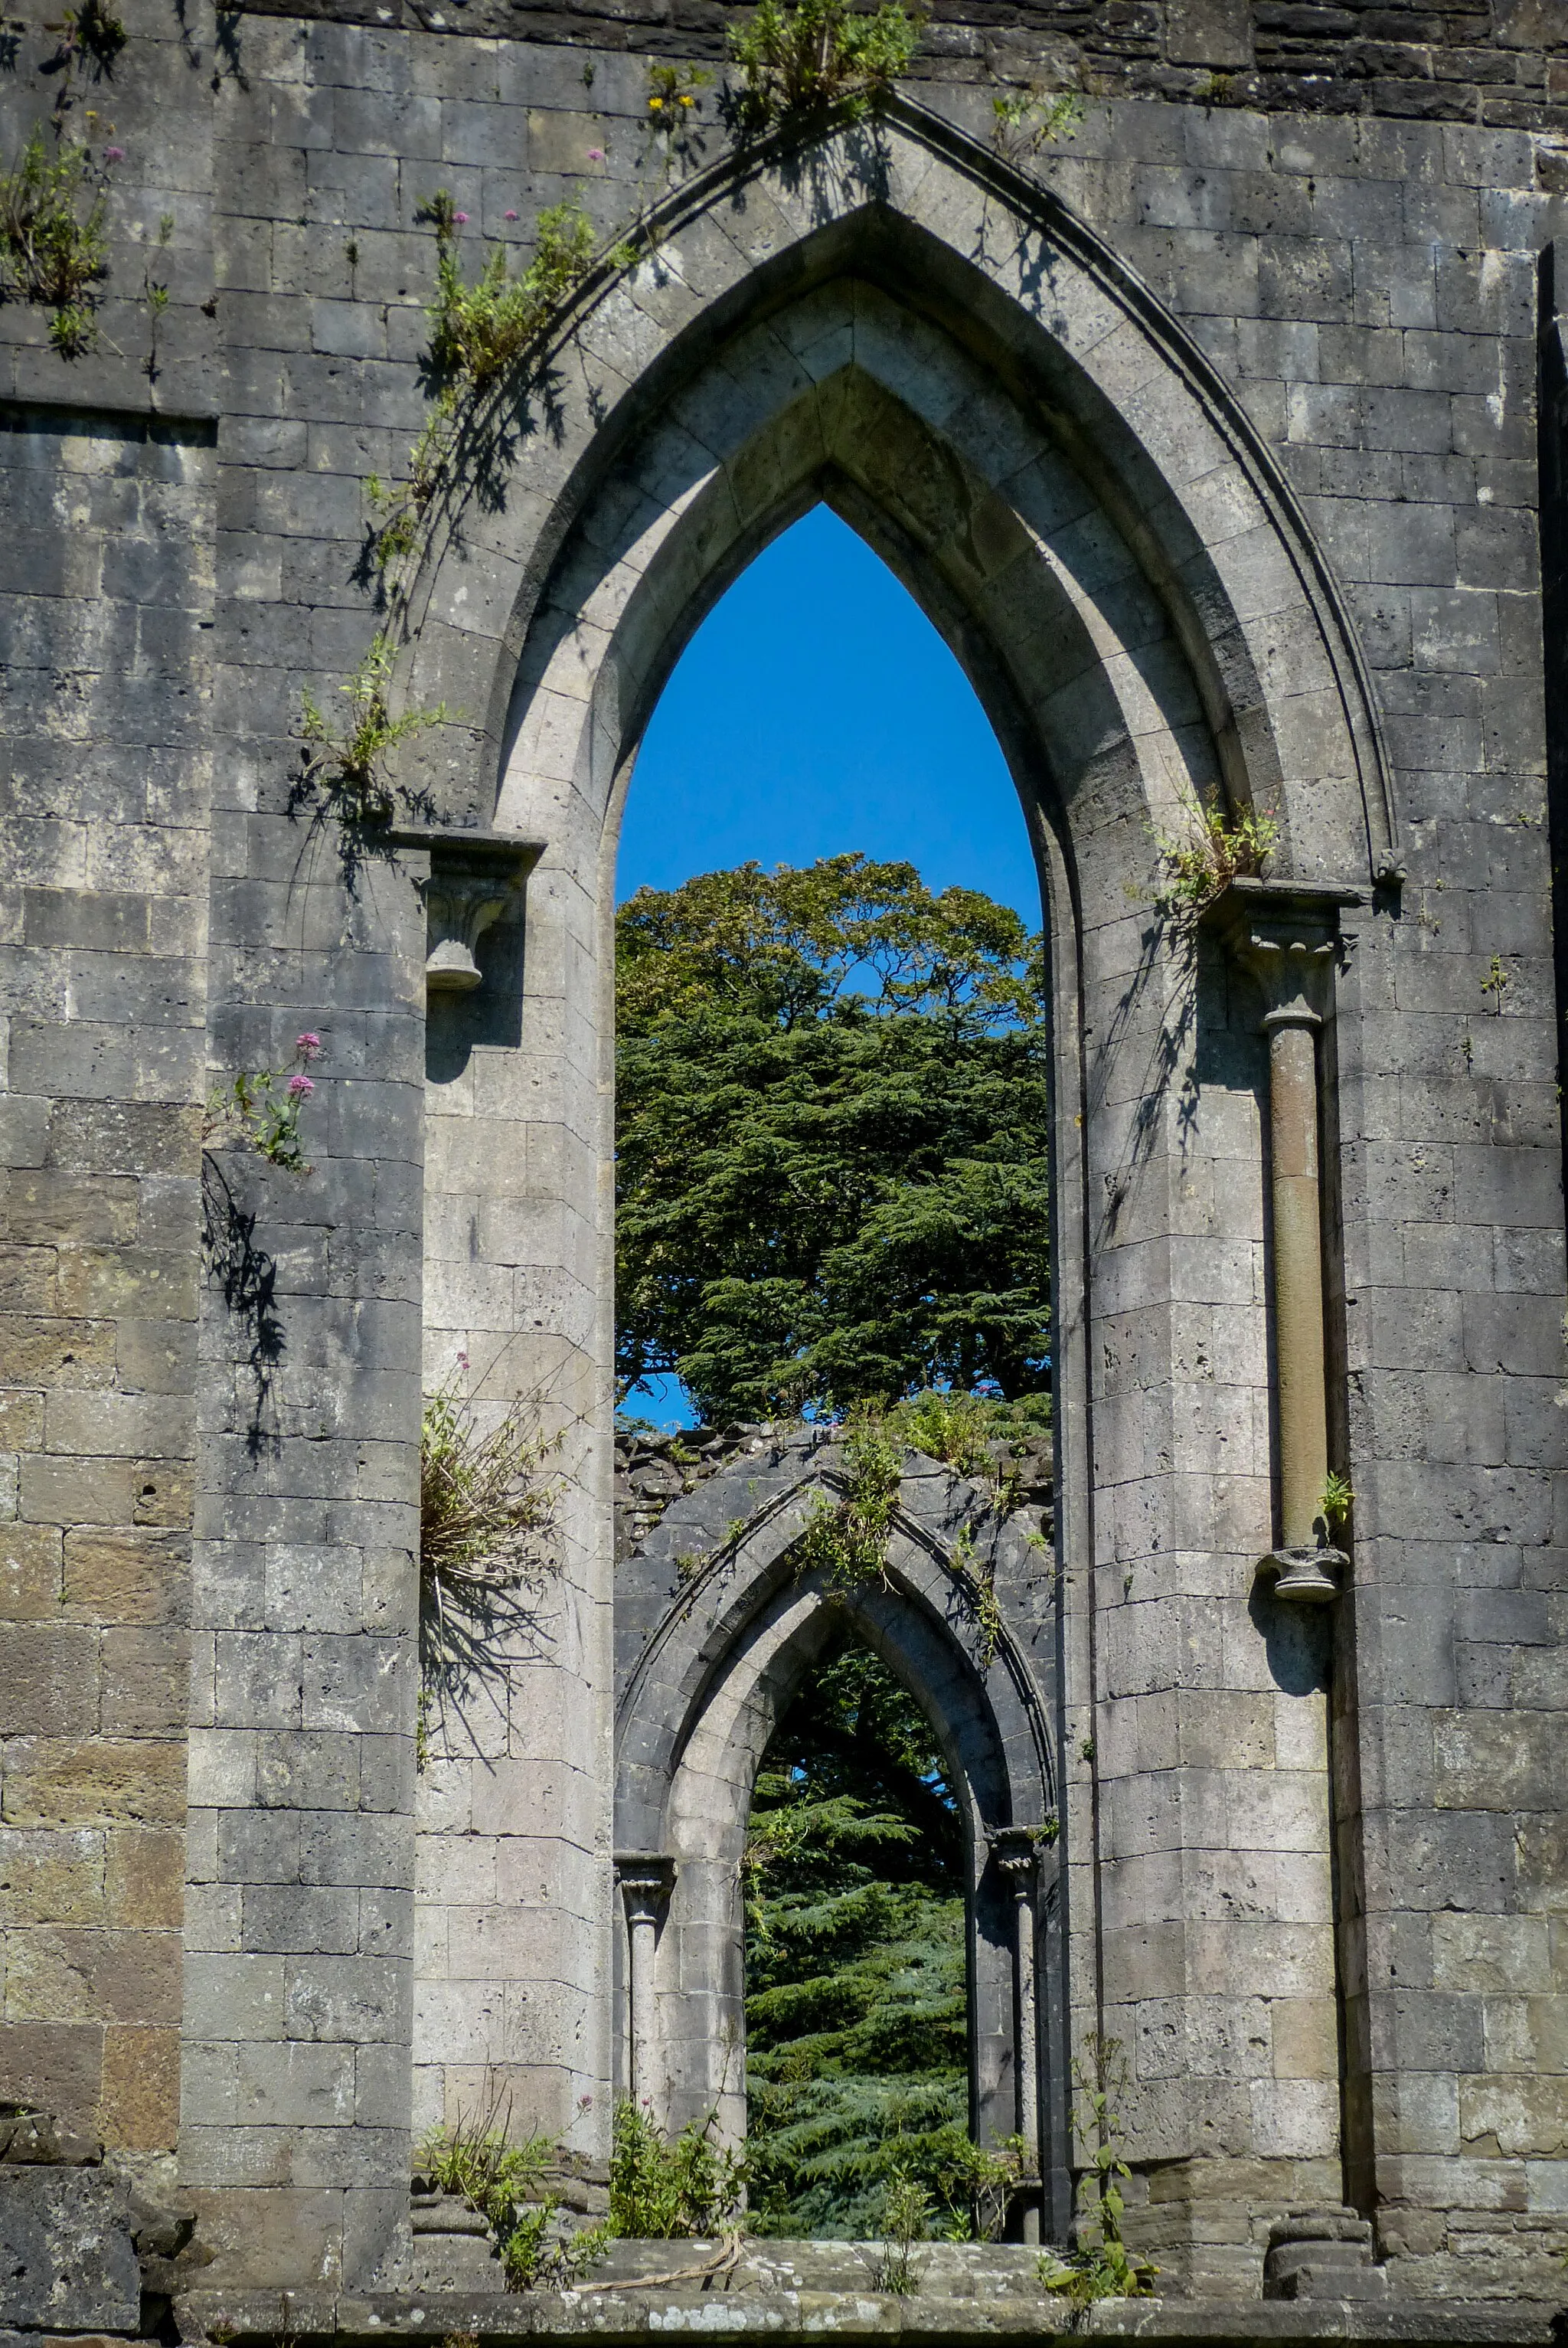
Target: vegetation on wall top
818, 54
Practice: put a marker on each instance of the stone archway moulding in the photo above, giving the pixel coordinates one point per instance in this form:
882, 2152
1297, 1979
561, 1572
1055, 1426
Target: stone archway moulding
892, 322
735, 1629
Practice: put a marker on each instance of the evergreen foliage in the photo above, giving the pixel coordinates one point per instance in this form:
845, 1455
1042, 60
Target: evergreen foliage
832, 1140
857, 2009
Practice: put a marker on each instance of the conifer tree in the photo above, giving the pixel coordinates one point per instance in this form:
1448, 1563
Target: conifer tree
831, 1140
856, 2008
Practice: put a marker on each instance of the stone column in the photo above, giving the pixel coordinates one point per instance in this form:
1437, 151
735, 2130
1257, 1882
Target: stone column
646, 1879
1287, 936
1018, 1858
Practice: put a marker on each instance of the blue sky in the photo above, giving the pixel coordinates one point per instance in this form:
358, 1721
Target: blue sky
816, 709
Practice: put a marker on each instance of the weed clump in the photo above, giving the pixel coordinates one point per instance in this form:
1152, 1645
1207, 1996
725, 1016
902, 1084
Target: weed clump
505, 2184
821, 53
343, 765
52, 250
1220, 848
1103, 2269
1025, 120
664, 2188
487, 1510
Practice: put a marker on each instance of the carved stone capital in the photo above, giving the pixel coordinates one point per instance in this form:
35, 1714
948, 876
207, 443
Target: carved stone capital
1017, 1850
471, 878
1287, 934
646, 1879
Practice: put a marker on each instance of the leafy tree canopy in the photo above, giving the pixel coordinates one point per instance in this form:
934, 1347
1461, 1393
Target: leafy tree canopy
831, 1139
856, 2029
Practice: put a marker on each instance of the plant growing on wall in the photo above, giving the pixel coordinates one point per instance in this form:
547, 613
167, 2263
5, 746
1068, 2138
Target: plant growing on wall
262, 1107
94, 30
820, 53
1025, 120
1335, 1501
1099, 2268
481, 330
343, 767
663, 2188
486, 1517
849, 1542
980, 1437
52, 251
1219, 848
504, 2183
906, 2221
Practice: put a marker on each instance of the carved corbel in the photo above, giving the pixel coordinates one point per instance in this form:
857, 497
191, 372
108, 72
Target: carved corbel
1287, 934
470, 880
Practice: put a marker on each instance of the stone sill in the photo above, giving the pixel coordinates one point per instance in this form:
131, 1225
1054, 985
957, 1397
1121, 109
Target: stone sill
743, 2307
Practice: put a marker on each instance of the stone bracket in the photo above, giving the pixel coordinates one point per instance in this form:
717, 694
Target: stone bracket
470, 878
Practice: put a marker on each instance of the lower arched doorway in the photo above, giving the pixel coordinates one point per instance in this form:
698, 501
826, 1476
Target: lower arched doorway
722, 1616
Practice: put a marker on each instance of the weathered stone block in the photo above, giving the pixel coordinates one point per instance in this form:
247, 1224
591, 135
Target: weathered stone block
66, 2263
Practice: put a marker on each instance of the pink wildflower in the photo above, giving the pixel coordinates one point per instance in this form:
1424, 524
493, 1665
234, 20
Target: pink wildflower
512, 215
461, 219
595, 154
462, 1360
301, 1087
114, 154
309, 1044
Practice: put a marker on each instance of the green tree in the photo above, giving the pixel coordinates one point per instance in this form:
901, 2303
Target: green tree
831, 1139
857, 2010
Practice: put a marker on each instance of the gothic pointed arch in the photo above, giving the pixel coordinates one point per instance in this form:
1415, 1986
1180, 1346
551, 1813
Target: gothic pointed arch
718, 1621
889, 320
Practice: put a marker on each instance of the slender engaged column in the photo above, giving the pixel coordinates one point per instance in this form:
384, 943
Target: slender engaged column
645, 1878
1297, 1217
1288, 937
1017, 1855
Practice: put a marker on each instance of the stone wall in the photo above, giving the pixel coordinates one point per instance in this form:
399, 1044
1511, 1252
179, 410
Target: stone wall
108, 522
1337, 301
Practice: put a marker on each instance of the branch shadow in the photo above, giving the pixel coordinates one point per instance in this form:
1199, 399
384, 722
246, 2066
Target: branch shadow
246, 1277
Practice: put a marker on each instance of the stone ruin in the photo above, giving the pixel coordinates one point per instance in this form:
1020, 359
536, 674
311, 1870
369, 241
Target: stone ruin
1218, 425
